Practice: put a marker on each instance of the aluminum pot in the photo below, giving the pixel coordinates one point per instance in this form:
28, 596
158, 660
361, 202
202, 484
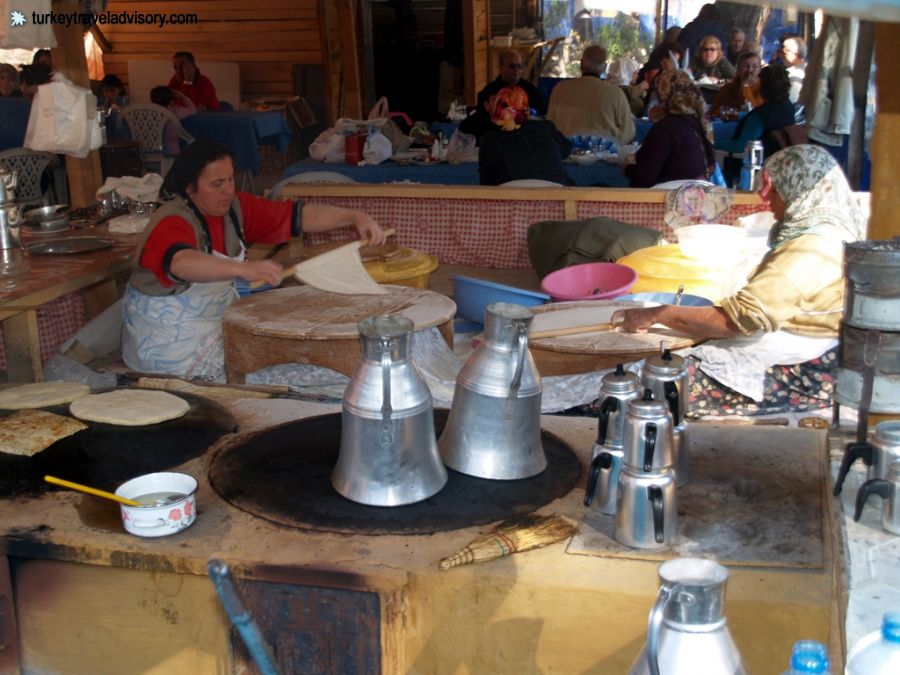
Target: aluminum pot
889, 490
158, 521
648, 435
616, 389
872, 293
666, 375
646, 509
861, 349
877, 455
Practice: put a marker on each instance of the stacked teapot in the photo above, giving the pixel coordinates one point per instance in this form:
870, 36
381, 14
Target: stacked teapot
666, 375
616, 390
646, 507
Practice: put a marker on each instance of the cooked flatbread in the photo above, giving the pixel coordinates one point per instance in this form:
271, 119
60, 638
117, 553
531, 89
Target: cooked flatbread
27, 432
40, 394
130, 407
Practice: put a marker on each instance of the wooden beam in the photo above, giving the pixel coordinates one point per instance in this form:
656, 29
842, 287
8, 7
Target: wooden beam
350, 76
883, 223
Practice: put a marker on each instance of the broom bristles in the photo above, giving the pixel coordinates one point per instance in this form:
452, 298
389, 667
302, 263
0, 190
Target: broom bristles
520, 533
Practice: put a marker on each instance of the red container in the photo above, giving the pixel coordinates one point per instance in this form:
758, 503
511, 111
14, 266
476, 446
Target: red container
589, 281
353, 148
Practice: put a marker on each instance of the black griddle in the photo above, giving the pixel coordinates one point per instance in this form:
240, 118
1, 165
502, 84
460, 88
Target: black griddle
283, 474
105, 455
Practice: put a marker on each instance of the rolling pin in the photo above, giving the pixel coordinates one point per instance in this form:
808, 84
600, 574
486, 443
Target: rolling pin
289, 271
570, 330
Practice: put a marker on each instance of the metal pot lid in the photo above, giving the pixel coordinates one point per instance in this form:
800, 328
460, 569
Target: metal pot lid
620, 381
889, 432
666, 363
647, 406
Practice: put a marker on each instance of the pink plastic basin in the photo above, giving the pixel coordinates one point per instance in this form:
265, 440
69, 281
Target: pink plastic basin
589, 281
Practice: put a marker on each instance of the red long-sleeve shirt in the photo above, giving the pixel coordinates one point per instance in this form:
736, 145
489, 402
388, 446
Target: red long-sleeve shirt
202, 92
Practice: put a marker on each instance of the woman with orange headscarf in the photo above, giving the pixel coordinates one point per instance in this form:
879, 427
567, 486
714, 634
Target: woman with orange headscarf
520, 148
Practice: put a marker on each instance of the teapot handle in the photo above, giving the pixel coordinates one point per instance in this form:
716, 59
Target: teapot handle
649, 445
602, 461
610, 405
670, 393
655, 495
522, 330
852, 452
877, 486
387, 433
654, 624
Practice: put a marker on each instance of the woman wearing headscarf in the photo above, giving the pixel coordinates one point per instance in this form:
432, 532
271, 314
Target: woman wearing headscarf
520, 148
772, 344
678, 146
191, 252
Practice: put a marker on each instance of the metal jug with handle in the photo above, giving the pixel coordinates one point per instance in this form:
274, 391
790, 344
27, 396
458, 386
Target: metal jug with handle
12, 263
686, 631
888, 489
648, 434
493, 430
646, 509
616, 389
666, 375
877, 455
388, 454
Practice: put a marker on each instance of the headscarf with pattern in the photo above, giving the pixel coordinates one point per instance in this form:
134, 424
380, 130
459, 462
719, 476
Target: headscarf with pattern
680, 96
510, 108
817, 197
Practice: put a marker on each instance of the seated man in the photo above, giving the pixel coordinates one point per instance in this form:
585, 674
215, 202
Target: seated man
589, 105
190, 82
793, 54
511, 67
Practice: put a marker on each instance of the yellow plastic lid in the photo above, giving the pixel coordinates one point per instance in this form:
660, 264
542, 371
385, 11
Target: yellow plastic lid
404, 265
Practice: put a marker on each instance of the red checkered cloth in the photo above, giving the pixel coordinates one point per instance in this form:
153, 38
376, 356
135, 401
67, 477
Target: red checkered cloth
58, 320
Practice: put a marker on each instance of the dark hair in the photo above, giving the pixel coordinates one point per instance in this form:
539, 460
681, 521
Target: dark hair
184, 55
111, 81
189, 164
774, 84
41, 53
661, 51
35, 74
161, 95
709, 12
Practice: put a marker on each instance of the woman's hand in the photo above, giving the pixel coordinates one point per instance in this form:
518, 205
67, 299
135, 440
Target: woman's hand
367, 227
635, 320
268, 271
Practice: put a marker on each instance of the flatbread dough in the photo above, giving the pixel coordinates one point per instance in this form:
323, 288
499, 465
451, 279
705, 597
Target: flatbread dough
40, 394
130, 407
27, 432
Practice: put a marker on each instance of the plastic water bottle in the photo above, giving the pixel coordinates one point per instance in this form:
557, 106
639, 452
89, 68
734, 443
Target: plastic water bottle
808, 656
878, 653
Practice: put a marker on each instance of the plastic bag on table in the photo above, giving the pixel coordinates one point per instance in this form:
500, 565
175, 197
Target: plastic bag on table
462, 148
377, 148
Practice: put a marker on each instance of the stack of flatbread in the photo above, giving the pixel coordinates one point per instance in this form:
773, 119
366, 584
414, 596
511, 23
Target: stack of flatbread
29, 431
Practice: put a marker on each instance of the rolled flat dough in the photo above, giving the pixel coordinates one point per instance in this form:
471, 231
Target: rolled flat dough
27, 432
130, 407
40, 394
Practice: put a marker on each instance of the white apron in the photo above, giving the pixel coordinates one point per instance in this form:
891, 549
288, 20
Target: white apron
178, 334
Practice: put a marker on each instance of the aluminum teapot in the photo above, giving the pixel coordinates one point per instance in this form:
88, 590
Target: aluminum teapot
603, 479
646, 509
12, 263
493, 430
648, 434
687, 632
388, 454
889, 490
666, 375
877, 455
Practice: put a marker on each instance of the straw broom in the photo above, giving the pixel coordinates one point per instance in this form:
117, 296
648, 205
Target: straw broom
520, 533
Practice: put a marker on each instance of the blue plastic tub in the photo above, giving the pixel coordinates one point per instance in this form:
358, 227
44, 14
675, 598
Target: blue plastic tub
472, 296
669, 299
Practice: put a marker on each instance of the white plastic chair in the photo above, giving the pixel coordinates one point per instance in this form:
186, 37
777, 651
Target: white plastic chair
147, 123
29, 166
308, 177
530, 182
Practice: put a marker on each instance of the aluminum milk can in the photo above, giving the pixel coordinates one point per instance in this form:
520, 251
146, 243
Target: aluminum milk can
666, 375
889, 490
388, 454
687, 632
616, 389
493, 430
877, 454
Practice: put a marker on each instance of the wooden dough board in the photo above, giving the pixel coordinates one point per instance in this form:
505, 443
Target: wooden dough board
572, 354
305, 325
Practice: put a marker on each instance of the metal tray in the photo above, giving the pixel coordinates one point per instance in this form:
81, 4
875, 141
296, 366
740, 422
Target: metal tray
68, 245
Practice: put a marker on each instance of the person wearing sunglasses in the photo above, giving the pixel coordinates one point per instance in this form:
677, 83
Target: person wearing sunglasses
710, 63
511, 70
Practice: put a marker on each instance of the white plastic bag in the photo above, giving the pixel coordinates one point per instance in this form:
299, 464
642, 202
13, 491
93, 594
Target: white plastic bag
63, 119
329, 145
462, 148
377, 148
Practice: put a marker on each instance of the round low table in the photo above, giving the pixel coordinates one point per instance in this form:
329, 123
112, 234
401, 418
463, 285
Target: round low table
587, 352
305, 325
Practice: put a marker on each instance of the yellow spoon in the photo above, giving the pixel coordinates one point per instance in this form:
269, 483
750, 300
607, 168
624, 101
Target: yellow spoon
91, 491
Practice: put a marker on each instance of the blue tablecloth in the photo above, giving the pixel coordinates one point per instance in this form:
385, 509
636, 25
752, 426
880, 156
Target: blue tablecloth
601, 173
723, 131
242, 131
13, 121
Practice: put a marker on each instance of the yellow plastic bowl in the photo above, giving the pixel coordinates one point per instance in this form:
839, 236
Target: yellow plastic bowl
663, 269
407, 267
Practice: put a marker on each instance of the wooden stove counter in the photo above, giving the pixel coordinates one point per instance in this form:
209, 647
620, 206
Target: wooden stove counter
540, 611
50, 277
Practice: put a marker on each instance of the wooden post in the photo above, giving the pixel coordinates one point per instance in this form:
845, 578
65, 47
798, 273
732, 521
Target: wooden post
351, 83
885, 138
84, 175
